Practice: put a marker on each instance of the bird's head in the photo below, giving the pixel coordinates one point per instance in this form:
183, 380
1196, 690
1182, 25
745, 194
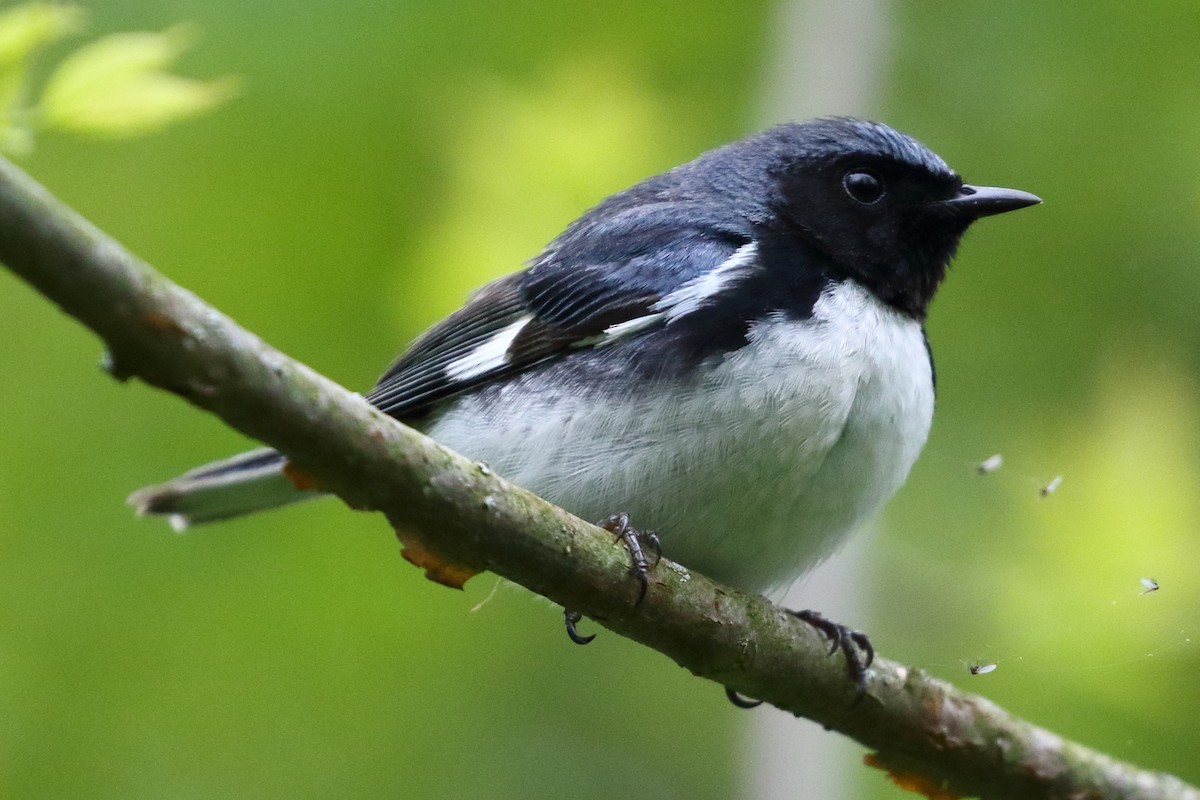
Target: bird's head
880, 207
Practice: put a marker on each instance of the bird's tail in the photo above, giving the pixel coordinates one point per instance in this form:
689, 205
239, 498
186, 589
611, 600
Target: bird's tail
240, 485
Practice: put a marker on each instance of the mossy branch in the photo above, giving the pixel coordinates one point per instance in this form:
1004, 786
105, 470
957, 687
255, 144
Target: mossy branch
928, 734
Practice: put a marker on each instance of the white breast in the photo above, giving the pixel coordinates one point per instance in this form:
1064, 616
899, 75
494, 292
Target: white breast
752, 473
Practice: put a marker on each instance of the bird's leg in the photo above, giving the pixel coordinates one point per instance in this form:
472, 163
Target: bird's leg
638, 542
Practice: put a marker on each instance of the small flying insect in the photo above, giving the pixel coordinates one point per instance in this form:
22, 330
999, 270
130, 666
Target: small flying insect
1149, 585
1052, 487
990, 464
981, 669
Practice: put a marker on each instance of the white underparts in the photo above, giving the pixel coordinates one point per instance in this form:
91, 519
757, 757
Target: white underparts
753, 471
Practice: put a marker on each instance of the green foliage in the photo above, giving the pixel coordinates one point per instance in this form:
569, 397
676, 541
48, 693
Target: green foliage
115, 86
24, 30
118, 86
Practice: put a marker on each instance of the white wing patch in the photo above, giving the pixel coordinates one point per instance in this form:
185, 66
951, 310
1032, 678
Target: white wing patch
696, 292
491, 355
619, 330
630, 326
689, 297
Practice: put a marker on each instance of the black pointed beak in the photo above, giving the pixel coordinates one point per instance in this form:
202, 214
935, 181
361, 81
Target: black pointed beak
984, 201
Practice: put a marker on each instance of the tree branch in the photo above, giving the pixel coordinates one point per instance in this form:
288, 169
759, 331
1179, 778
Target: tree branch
925, 731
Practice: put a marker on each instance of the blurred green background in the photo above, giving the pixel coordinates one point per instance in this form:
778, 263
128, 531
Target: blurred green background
383, 159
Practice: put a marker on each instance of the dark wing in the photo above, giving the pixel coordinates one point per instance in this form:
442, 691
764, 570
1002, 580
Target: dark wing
605, 277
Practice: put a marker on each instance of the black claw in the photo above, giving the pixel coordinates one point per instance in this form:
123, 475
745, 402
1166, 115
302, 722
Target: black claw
652, 538
855, 646
643, 587
618, 525
739, 701
572, 619
865, 645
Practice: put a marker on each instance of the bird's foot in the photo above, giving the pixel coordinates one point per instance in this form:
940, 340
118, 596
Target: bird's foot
640, 566
855, 646
638, 543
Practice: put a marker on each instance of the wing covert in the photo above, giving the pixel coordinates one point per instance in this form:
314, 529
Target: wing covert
604, 277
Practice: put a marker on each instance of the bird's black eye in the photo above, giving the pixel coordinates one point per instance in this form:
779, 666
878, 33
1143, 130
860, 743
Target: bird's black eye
865, 187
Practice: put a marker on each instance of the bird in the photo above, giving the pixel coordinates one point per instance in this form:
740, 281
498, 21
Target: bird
732, 351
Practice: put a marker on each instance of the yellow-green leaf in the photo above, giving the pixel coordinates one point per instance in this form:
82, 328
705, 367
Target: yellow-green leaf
24, 29
117, 85
29, 26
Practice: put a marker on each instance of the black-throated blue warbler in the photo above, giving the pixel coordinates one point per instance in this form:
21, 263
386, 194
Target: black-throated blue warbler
732, 352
